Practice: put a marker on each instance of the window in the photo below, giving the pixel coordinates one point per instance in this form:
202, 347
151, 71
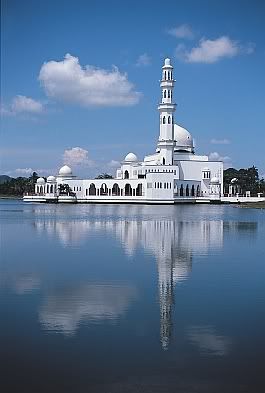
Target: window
92, 189
163, 161
169, 120
165, 94
165, 185
164, 120
187, 190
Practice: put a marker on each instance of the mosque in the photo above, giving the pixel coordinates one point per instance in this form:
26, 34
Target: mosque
173, 173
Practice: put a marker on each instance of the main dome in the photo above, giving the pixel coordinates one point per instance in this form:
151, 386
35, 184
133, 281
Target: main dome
183, 139
65, 171
131, 157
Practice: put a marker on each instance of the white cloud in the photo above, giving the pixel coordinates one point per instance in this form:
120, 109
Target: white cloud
22, 105
77, 157
113, 164
220, 141
217, 157
29, 171
182, 31
26, 104
211, 51
68, 81
24, 171
143, 60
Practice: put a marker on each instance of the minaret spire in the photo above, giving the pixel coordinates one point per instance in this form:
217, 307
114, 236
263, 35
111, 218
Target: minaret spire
166, 109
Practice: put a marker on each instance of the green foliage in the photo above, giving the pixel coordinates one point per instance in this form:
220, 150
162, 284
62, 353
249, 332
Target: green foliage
104, 176
248, 179
18, 186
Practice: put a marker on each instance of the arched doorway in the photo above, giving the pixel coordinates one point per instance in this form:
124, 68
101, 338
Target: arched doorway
193, 190
181, 190
104, 189
115, 190
126, 175
92, 189
128, 190
139, 190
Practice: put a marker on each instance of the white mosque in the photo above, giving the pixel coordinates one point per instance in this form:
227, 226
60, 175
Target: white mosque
174, 173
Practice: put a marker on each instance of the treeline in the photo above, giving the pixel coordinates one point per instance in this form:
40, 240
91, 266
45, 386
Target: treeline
248, 180
17, 186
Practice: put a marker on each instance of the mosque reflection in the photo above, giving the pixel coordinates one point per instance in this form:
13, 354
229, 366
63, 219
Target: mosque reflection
173, 243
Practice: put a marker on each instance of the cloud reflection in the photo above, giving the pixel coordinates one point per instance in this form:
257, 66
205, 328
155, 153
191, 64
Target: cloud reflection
208, 341
64, 311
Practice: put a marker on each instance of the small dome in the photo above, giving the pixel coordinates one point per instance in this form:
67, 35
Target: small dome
234, 180
183, 139
65, 171
215, 180
167, 61
40, 180
131, 157
51, 178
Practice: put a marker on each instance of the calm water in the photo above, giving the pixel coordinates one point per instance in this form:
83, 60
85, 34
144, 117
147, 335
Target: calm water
121, 299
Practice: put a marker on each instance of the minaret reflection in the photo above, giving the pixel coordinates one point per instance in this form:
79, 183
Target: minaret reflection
173, 243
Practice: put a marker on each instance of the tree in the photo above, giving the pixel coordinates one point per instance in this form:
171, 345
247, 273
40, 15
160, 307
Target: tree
248, 179
104, 176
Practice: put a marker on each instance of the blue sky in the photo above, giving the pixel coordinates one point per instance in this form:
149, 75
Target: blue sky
86, 75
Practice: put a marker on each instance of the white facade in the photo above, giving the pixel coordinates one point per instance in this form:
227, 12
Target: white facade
173, 173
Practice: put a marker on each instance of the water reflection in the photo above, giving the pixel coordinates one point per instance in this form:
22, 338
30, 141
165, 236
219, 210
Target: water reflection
208, 341
66, 310
173, 244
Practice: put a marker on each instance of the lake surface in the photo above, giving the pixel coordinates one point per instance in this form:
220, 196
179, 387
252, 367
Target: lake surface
127, 298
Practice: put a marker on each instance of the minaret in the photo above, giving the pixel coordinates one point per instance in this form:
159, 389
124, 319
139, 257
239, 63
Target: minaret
166, 109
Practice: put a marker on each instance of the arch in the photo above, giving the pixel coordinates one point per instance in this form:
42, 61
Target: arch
168, 94
193, 190
198, 190
165, 75
103, 189
51, 188
116, 189
168, 75
164, 120
41, 190
38, 190
187, 190
171, 93
92, 189
126, 175
48, 188
169, 120
165, 94
128, 190
139, 190
181, 191
163, 161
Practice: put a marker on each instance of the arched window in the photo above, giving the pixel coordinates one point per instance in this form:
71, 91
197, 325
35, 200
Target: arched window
168, 75
163, 161
128, 190
126, 175
51, 189
187, 190
139, 190
165, 94
168, 94
171, 94
103, 189
169, 120
115, 189
92, 189
164, 120
198, 191
193, 190
181, 190
48, 188
165, 75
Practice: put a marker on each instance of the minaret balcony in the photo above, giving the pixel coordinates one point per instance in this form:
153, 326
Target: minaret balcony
166, 107
167, 83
